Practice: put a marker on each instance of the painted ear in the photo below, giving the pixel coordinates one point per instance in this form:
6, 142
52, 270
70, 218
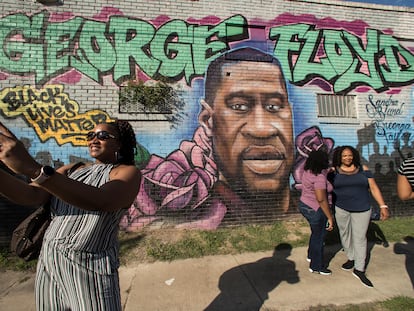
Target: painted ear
205, 118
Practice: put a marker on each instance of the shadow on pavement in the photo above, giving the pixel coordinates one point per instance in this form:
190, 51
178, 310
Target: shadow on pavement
407, 249
246, 287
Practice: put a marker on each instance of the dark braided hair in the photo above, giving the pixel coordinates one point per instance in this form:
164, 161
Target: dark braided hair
317, 161
128, 141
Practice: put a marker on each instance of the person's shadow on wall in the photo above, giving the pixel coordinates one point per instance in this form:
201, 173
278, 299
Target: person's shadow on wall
246, 287
407, 249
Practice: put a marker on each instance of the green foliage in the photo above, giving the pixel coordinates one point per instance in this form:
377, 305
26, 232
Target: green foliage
256, 238
396, 228
400, 303
158, 97
200, 243
189, 247
142, 156
10, 262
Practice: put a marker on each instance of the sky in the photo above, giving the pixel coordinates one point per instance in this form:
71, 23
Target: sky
407, 3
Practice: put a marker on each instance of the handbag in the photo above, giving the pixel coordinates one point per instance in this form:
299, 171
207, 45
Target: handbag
27, 238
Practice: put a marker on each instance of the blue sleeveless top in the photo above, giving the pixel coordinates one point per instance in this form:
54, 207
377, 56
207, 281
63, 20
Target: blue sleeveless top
351, 191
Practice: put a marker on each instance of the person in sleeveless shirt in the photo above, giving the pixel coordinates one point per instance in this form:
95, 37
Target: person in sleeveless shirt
353, 186
78, 265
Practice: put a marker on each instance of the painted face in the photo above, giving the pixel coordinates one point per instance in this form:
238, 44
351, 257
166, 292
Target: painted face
252, 127
347, 157
103, 143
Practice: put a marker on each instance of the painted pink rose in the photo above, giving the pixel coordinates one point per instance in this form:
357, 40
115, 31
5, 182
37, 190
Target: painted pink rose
181, 180
307, 141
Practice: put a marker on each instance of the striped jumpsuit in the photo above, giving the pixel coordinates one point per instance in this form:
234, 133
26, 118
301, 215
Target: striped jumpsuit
78, 263
407, 169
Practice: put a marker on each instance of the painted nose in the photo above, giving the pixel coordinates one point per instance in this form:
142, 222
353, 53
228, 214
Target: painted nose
260, 125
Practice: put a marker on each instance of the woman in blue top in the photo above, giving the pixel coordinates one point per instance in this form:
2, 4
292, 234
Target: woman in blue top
353, 186
314, 206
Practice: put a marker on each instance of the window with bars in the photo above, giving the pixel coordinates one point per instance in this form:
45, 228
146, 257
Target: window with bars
336, 106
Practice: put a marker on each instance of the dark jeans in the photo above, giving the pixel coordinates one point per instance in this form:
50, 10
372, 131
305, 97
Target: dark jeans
317, 221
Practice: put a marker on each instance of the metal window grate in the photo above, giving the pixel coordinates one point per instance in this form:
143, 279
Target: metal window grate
336, 106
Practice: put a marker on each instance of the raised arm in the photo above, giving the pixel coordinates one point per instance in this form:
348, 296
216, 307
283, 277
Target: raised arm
118, 193
20, 192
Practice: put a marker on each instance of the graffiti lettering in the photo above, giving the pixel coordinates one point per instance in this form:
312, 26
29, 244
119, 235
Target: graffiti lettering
95, 48
394, 126
177, 49
19, 99
51, 113
391, 131
341, 58
380, 108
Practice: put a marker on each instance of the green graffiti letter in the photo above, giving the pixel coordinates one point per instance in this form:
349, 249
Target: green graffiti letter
131, 39
172, 46
287, 44
59, 38
95, 53
22, 49
400, 62
206, 49
309, 62
363, 68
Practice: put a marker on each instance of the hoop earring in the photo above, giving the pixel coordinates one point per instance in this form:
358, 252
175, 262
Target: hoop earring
118, 157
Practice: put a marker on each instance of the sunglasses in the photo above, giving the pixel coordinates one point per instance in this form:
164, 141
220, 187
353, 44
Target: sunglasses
101, 135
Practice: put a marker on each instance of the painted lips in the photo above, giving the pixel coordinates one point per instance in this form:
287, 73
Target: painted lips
263, 160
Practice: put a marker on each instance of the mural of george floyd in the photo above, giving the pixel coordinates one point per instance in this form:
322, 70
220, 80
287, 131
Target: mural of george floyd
227, 98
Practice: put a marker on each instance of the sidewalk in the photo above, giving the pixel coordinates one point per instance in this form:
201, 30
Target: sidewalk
249, 281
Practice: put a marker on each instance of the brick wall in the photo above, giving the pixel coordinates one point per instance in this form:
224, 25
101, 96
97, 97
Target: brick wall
62, 68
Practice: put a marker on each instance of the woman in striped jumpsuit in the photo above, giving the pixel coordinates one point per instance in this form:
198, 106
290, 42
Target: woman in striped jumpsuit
78, 264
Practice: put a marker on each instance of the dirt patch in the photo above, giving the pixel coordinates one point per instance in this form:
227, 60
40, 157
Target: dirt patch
297, 230
134, 245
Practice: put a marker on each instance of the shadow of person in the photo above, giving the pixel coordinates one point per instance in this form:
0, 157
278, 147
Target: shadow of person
407, 249
332, 245
375, 234
246, 287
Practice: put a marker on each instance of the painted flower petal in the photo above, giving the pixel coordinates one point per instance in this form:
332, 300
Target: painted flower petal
211, 221
179, 198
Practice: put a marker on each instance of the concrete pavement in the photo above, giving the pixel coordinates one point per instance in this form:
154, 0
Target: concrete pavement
269, 281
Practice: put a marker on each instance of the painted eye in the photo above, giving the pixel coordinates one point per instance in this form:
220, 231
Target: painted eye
273, 108
239, 107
